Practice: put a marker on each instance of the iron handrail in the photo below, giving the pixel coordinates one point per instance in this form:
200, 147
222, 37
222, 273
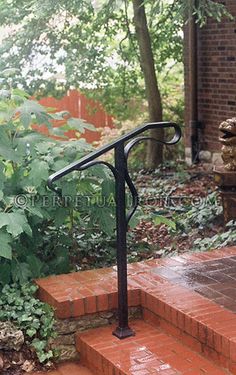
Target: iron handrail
122, 177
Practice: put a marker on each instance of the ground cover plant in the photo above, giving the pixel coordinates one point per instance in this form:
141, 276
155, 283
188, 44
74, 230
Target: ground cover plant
189, 199
35, 319
180, 211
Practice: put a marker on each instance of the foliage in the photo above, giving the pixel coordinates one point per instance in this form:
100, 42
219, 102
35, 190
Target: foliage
204, 212
93, 250
31, 240
172, 89
228, 237
204, 9
187, 207
93, 44
159, 219
157, 231
19, 305
96, 49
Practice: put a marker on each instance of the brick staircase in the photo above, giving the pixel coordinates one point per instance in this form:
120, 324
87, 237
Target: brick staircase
180, 332
151, 351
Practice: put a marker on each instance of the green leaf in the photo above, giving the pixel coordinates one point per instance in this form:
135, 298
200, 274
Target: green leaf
30, 108
2, 177
31, 332
43, 147
134, 221
34, 211
60, 215
69, 188
35, 265
79, 125
20, 93
5, 248
38, 172
102, 172
26, 143
102, 215
60, 115
25, 119
7, 152
16, 223
59, 132
61, 262
59, 164
39, 344
108, 187
5, 273
20, 272
158, 219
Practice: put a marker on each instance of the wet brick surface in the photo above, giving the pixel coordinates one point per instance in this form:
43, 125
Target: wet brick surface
214, 279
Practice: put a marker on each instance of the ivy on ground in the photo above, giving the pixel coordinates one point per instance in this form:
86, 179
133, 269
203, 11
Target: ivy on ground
19, 305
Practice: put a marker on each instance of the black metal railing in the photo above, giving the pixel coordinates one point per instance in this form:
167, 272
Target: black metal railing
122, 177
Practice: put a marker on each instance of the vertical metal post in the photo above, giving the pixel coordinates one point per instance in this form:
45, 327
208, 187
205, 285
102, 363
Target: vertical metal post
123, 330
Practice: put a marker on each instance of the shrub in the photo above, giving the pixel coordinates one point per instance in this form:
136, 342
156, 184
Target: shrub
32, 242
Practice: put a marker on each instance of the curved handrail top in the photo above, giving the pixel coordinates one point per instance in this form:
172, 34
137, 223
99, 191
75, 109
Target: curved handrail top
95, 154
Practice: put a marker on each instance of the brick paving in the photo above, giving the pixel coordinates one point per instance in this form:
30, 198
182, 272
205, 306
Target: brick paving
151, 351
211, 274
190, 297
214, 279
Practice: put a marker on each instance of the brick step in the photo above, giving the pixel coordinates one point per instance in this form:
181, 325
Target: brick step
67, 368
150, 351
198, 322
81, 293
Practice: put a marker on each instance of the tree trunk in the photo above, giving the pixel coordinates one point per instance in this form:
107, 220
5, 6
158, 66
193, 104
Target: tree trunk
154, 151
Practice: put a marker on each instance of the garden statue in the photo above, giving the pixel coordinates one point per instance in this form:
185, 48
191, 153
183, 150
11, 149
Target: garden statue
228, 141
225, 175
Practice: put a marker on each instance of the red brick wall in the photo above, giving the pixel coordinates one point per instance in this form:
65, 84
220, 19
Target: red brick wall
217, 77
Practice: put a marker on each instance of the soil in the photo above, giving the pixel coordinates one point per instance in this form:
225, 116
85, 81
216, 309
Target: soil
18, 363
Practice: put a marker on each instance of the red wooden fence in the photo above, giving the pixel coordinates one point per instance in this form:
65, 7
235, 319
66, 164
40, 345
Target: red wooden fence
80, 106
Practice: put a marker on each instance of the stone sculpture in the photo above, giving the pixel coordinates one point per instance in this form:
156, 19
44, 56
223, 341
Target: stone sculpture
228, 141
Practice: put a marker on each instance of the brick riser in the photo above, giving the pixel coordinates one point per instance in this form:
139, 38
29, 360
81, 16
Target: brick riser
198, 329
200, 324
151, 351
